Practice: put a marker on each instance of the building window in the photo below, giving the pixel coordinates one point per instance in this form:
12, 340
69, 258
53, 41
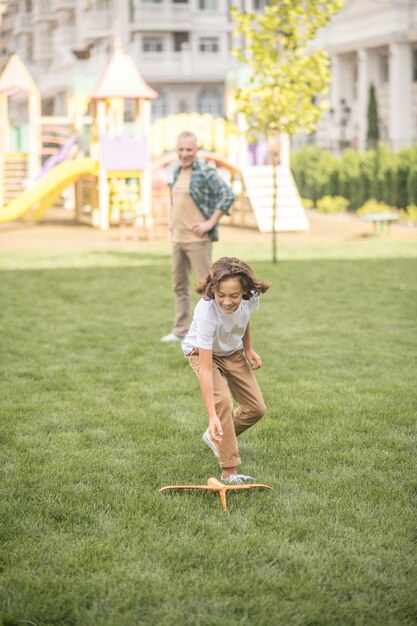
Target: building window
132, 11
414, 65
385, 68
183, 106
159, 106
151, 1
208, 5
259, 5
29, 48
152, 44
47, 106
129, 110
210, 101
208, 44
179, 40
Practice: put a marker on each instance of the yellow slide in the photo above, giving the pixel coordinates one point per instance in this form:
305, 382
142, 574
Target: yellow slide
48, 189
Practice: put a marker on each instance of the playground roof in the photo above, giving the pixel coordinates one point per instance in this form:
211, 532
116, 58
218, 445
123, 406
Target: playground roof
121, 79
15, 78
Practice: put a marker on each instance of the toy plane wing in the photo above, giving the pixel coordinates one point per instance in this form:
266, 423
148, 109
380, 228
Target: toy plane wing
215, 485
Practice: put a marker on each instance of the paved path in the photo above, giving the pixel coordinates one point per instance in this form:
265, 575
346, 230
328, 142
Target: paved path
57, 232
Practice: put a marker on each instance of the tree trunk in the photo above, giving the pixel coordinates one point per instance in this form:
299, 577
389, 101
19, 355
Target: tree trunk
274, 160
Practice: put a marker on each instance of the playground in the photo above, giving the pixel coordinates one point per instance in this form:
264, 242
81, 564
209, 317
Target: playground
108, 165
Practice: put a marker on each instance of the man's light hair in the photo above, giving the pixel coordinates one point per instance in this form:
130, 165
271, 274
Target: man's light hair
186, 134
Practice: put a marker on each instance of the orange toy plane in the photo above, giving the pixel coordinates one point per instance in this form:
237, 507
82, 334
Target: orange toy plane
215, 485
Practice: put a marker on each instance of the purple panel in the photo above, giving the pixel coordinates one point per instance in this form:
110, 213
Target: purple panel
262, 153
252, 154
123, 153
58, 157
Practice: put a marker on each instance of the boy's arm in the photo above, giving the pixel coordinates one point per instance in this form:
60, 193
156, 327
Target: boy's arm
254, 359
206, 385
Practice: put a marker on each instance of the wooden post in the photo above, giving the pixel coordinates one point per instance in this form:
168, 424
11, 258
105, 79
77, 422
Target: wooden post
4, 140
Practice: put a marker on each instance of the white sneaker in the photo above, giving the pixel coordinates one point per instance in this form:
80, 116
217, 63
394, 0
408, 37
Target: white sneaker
207, 440
237, 479
170, 337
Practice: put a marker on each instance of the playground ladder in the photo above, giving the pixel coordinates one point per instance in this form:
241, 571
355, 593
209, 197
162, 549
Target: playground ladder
15, 173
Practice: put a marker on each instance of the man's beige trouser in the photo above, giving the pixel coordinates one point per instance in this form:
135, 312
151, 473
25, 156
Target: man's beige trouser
195, 256
233, 377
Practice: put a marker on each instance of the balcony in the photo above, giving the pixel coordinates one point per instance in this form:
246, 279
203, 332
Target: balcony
42, 11
64, 36
184, 65
96, 25
162, 64
24, 22
62, 5
160, 17
43, 50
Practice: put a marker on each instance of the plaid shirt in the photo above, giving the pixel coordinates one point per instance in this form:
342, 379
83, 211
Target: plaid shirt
209, 192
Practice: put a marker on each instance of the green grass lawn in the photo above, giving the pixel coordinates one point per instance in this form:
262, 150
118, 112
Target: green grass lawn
97, 415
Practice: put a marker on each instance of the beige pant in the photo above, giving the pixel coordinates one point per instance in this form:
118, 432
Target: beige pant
186, 257
233, 377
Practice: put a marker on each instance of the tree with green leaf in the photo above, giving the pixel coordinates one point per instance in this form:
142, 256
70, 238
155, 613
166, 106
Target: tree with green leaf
372, 134
288, 74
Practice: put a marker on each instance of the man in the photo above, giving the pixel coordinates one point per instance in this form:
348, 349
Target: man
199, 199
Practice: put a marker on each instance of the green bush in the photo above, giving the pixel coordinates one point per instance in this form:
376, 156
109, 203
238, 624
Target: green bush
367, 176
307, 203
332, 204
349, 174
311, 168
373, 206
334, 181
379, 174
385, 164
388, 193
412, 185
407, 158
410, 214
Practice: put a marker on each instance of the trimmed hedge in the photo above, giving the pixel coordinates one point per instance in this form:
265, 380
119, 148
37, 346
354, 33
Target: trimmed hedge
387, 176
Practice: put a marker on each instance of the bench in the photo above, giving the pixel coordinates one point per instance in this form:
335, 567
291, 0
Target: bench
381, 221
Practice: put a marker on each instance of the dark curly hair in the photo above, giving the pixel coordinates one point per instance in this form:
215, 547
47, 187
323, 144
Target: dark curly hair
231, 267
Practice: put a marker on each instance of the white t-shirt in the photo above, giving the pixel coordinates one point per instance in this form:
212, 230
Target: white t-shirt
215, 330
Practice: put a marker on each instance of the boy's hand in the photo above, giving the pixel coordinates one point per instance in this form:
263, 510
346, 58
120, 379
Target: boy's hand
215, 430
254, 359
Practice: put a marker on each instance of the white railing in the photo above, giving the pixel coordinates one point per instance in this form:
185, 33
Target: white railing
24, 21
95, 24
64, 35
42, 10
161, 14
56, 5
182, 64
43, 48
157, 64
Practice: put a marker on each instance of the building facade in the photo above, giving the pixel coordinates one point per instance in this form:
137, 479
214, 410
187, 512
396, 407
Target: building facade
371, 42
183, 49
